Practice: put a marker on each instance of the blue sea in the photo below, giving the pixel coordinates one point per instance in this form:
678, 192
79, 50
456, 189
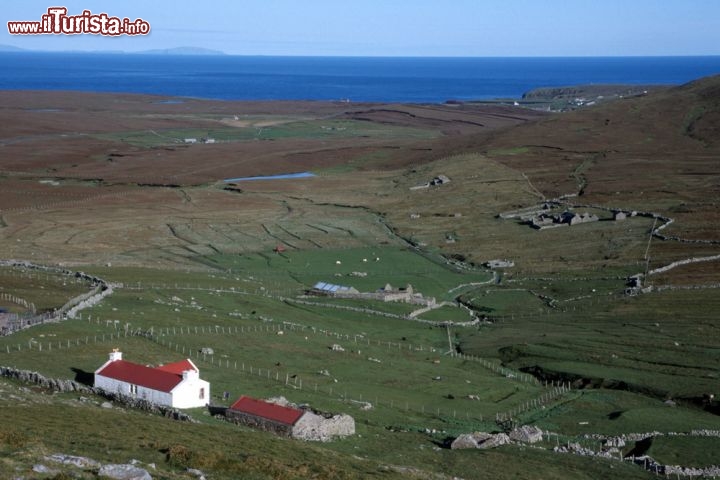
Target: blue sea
335, 78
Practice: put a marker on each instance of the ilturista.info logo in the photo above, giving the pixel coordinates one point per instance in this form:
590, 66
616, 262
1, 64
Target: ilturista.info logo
57, 22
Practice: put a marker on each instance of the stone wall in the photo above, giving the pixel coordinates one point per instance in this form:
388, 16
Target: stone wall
88, 300
100, 290
687, 261
60, 385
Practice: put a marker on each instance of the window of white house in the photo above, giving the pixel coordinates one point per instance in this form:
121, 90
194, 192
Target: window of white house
202, 393
133, 389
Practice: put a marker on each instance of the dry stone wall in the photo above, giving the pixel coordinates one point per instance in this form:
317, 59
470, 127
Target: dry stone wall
101, 289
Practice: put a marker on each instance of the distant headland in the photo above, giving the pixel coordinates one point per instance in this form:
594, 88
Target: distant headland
158, 51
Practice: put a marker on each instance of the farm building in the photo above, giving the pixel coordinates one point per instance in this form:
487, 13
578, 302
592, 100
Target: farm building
575, 218
566, 218
498, 263
390, 294
323, 288
437, 181
385, 294
264, 415
176, 385
286, 420
440, 180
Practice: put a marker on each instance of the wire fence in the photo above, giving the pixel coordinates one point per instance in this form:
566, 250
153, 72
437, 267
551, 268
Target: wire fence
165, 337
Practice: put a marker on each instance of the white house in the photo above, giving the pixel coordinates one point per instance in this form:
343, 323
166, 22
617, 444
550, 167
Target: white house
176, 385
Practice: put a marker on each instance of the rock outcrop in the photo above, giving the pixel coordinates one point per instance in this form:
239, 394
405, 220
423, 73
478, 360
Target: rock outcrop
479, 440
123, 472
527, 434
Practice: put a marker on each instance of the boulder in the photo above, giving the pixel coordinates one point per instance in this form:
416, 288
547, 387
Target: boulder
470, 440
527, 434
464, 441
124, 472
282, 401
40, 468
495, 441
197, 473
81, 462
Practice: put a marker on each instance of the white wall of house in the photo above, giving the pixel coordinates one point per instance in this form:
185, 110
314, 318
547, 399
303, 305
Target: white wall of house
191, 392
117, 386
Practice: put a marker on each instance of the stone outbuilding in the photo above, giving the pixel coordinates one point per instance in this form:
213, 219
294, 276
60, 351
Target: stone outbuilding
289, 421
263, 415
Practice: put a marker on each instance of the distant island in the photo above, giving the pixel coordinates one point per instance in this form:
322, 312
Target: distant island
161, 51
182, 51
10, 48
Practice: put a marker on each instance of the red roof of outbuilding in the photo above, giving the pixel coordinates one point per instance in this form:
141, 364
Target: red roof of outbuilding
270, 411
141, 375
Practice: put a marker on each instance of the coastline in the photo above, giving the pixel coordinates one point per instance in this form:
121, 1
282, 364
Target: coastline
408, 80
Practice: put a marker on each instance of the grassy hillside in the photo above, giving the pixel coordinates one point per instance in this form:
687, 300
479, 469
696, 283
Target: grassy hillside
192, 264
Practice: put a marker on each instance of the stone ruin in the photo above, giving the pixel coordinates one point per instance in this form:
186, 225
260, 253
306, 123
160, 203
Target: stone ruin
435, 182
320, 428
482, 440
388, 293
567, 218
498, 263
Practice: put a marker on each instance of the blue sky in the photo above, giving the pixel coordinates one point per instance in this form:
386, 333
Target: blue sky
396, 27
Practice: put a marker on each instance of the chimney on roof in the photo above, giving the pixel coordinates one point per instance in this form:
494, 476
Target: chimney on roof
115, 355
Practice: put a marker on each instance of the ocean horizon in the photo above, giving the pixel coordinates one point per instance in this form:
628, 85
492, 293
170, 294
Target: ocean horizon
356, 79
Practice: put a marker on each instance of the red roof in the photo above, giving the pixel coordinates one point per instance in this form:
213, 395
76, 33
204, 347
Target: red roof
270, 411
178, 367
153, 378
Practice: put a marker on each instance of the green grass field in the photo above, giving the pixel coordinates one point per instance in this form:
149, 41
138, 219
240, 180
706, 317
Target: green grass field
234, 309
310, 129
